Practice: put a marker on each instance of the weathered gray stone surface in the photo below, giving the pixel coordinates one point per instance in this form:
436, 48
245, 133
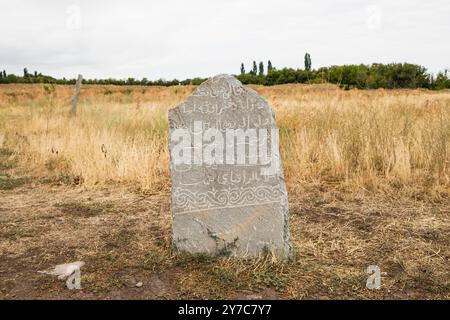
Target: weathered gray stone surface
227, 208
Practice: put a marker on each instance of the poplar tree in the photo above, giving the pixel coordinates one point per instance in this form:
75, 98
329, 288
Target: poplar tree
242, 68
307, 62
269, 66
255, 68
261, 68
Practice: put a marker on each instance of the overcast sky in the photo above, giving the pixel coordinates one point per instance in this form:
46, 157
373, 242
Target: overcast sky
181, 39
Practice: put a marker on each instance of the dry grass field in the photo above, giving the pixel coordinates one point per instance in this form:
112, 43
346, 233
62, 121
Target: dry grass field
368, 175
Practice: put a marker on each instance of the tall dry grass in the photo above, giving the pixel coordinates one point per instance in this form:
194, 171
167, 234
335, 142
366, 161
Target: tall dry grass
369, 139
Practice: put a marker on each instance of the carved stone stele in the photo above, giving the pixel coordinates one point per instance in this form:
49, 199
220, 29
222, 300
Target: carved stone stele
221, 207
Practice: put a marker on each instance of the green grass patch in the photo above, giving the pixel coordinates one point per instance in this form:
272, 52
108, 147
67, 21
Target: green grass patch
11, 183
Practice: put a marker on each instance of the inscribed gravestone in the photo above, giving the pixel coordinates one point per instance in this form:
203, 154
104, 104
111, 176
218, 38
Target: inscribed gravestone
228, 190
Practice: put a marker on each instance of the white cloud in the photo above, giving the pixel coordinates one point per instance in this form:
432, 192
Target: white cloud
175, 38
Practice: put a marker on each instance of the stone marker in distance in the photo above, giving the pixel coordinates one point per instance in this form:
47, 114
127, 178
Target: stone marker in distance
228, 190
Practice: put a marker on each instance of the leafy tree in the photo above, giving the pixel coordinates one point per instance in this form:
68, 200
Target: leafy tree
250, 78
197, 81
261, 68
242, 68
307, 62
442, 80
25, 72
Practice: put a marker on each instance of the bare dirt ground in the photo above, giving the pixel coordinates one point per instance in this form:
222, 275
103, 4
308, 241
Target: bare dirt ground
123, 235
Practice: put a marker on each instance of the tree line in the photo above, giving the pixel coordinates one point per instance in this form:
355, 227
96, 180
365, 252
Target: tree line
36, 77
374, 76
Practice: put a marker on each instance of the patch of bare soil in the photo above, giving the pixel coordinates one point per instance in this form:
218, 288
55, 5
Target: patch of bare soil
124, 238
